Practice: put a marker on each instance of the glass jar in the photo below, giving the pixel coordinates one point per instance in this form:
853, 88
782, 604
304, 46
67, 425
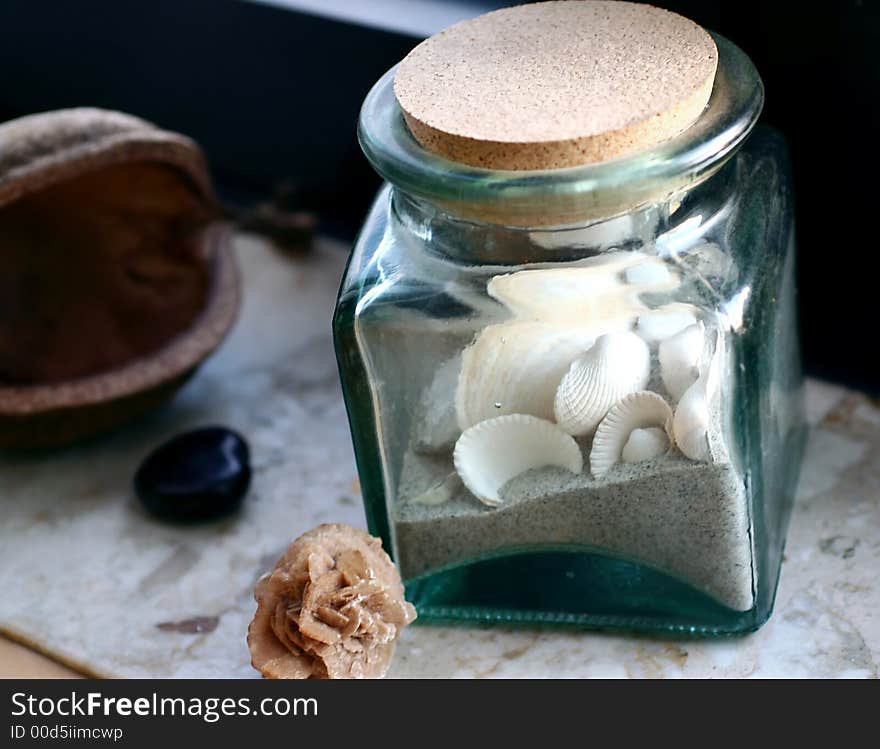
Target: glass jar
473, 295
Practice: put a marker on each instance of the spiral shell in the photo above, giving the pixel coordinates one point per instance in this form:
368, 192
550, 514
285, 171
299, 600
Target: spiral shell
639, 410
680, 357
692, 415
491, 453
616, 365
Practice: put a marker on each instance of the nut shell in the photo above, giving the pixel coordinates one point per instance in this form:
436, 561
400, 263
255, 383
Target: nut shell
93, 189
51, 147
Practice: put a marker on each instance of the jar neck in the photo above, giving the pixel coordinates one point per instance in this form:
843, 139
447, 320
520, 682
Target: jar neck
461, 238
575, 196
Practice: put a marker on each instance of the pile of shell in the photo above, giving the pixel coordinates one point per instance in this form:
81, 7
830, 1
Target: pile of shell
574, 363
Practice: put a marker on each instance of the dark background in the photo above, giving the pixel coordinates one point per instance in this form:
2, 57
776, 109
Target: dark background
274, 94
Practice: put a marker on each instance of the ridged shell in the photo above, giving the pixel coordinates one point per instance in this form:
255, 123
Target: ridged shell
636, 411
692, 415
680, 357
665, 322
585, 295
645, 443
491, 453
515, 367
616, 365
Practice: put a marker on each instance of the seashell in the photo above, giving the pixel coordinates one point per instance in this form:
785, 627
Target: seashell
491, 453
590, 294
665, 322
645, 443
515, 367
435, 424
691, 423
616, 365
639, 410
440, 492
680, 357
651, 273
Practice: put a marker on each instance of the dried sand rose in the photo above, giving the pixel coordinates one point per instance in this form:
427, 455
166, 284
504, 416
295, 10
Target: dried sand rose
331, 609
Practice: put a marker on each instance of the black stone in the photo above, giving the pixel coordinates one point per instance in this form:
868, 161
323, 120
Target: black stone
196, 475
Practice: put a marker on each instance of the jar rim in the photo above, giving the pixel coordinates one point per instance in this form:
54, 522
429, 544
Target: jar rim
566, 195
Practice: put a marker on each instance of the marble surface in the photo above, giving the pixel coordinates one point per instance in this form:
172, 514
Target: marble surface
20, 662
86, 575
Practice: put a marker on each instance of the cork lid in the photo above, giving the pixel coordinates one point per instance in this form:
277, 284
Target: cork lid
556, 84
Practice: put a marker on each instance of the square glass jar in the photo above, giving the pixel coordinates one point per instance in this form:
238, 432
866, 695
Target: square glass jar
473, 294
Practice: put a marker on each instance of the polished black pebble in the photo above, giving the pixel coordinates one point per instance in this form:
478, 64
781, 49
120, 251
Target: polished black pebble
196, 475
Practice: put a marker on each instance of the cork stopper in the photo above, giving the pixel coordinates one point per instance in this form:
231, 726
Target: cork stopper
556, 84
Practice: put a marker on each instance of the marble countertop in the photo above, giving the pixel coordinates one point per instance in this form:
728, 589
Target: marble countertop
87, 576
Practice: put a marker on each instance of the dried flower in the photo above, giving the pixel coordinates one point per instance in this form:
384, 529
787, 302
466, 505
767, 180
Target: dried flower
331, 609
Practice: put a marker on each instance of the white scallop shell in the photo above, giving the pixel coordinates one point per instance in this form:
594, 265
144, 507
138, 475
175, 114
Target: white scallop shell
645, 443
680, 357
616, 365
491, 453
664, 322
690, 426
515, 367
585, 295
638, 410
